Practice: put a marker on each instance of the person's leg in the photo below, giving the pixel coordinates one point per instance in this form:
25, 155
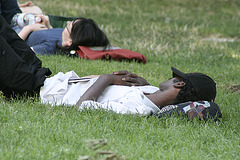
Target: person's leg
31, 9
8, 9
20, 69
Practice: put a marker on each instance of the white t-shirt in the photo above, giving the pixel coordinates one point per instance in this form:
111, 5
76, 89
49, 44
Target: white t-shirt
58, 90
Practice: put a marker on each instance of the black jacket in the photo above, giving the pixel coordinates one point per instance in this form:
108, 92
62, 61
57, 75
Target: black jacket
20, 70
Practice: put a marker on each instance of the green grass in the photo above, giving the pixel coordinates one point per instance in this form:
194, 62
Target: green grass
169, 33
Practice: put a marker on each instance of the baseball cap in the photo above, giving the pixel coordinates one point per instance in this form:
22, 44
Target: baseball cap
204, 86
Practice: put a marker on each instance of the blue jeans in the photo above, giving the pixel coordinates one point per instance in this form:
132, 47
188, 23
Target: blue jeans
8, 8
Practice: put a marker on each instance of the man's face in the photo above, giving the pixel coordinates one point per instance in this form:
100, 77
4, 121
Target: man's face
169, 83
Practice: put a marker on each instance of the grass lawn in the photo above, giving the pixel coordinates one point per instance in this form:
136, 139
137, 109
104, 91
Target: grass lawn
191, 35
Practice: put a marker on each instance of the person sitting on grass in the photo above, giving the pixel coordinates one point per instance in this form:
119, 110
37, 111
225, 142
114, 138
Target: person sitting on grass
44, 39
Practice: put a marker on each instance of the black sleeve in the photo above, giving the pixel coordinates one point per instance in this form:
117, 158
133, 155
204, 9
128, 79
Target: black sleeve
20, 70
8, 8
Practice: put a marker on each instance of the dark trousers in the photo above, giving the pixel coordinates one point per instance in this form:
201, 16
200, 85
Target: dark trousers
20, 70
8, 8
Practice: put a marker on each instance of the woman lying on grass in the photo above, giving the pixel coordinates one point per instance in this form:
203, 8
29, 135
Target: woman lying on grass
44, 39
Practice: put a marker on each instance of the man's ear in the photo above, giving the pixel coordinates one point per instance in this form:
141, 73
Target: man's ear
179, 84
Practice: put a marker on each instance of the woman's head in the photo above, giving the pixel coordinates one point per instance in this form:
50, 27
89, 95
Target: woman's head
83, 32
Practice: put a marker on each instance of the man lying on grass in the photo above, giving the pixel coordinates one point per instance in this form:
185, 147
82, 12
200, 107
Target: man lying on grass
124, 92
21, 73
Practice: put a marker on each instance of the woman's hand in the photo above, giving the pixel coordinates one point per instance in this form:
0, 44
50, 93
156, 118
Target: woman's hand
44, 21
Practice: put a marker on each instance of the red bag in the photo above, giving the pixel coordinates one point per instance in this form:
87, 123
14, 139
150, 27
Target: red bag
115, 53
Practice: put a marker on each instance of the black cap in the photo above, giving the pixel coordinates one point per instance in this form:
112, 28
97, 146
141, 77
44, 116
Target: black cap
204, 86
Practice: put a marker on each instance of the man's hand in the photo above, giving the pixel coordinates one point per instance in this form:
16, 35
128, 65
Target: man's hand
131, 79
113, 79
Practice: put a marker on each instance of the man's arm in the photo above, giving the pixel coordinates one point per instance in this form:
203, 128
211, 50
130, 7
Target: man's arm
116, 78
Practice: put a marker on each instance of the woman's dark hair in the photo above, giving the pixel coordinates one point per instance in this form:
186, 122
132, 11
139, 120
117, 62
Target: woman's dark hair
85, 32
187, 93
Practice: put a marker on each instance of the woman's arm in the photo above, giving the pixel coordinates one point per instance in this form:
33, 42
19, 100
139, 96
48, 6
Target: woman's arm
30, 28
43, 25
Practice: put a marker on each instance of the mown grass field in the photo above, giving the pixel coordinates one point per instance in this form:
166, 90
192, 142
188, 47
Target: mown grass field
191, 35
